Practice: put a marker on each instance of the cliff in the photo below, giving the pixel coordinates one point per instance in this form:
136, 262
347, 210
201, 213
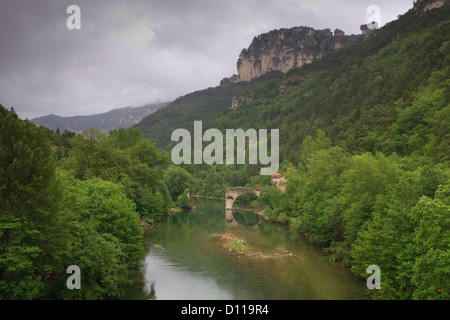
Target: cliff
427, 5
284, 49
394, 63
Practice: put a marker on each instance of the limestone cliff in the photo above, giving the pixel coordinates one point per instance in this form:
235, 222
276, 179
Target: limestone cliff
427, 5
284, 49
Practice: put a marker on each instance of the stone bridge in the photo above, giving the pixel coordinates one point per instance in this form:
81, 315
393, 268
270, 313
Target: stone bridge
232, 194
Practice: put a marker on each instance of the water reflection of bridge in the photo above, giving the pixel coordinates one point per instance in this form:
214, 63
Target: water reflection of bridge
232, 223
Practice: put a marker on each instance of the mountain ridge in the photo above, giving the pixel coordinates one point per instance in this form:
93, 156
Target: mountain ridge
116, 118
335, 93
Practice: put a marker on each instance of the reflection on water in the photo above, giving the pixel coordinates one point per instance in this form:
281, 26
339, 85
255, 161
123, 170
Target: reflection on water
186, 259
169, 280
241, 219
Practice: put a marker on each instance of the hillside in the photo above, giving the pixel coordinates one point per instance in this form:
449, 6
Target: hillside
364, 145
364, 175
362, 96
206, 105
114, 119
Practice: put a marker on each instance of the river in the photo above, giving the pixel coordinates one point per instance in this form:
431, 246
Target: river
186, 259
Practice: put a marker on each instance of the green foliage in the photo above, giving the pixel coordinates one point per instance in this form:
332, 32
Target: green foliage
145, 152
183, 201
123, 158
126, 138
152, 206
386, 94
102, 262
431, 240
86, 215
368, 179
102, 210
236, 244
369, 209
177, 180
365, 148
311, 146
32, 227
111, 183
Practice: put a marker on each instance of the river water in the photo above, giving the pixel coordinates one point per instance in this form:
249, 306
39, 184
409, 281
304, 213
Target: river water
186, 259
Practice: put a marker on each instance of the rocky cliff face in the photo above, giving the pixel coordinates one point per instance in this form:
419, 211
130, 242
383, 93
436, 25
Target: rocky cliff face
284, 49
427, 5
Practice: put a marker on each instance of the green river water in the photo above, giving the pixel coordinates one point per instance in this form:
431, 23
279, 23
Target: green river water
186, 259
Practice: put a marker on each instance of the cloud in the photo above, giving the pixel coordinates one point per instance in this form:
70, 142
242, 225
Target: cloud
129, 53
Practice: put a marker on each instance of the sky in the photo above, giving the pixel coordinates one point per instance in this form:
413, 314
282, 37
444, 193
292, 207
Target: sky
131, 53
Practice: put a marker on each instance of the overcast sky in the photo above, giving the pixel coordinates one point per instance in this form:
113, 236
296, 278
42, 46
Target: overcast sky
130, 53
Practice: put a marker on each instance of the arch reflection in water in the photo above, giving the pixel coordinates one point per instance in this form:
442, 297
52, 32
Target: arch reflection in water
242, 219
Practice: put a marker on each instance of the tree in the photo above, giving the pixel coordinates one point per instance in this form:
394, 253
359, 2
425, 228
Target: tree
114, 213
102, 262
126, 138
368, 178
105, 236
82, 154
310, 146
151, 205
32, 228
183, 201
145, 152
177, 180
432, 245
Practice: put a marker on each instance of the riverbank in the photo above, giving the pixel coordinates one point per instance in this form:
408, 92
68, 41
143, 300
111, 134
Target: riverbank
197, 255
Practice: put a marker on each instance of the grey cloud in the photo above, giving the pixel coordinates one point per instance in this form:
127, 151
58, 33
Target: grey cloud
129, 53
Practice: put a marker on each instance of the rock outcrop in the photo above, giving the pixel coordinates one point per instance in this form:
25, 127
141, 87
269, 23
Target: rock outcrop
284, 49
279, 181
237, 100
427, 5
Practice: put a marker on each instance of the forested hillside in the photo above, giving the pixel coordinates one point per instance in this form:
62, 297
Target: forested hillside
365, 96
77, 199
387, 94
364, 144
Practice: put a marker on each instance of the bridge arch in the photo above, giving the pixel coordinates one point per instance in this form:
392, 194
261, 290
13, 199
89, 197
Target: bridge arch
232, 194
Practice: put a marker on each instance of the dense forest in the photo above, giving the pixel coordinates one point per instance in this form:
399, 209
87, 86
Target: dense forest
387, 94
69, 198
364, 144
